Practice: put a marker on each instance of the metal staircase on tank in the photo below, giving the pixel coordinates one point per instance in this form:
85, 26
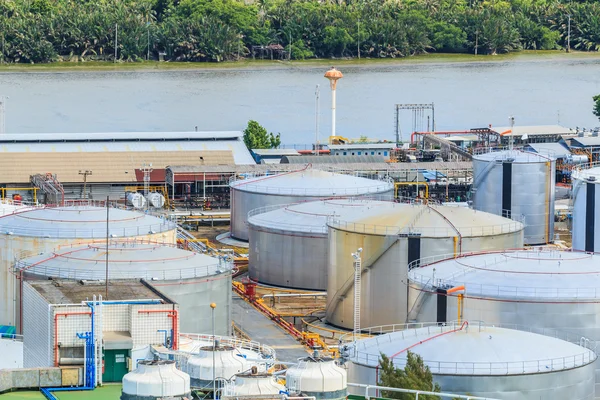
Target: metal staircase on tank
49, 184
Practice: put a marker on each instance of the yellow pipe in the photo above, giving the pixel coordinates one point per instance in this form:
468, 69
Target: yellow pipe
460, 306
455, 245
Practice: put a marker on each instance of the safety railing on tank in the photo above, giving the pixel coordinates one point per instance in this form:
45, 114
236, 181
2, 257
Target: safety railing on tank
549, 294
520, 152
468, 231
358, 353
267, 352
149, 275
586, 170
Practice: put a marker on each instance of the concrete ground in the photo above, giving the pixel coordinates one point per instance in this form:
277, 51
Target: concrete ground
263, 330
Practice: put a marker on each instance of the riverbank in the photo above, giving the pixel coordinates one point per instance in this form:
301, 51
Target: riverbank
248, 64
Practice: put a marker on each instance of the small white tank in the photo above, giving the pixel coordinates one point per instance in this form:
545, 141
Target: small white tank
256, 383
156, 380
156, 200
228, 362
136, 200
319, 377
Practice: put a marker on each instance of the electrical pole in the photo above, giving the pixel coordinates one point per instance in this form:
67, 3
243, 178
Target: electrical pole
317, 121
85, 175
512, 135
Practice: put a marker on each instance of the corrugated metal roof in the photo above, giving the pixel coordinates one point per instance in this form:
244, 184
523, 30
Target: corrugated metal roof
118, 136
258, 168
126, 261
276, 152
476, 350
549, 275
428, 221
552, 149
585, 141
534, 130
332, 159
310, 217
359, 146
81, 222
313, 182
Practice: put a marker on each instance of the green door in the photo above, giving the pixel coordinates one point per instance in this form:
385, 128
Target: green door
115, 365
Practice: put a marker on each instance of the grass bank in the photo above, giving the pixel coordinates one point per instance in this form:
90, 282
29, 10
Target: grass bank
248, 64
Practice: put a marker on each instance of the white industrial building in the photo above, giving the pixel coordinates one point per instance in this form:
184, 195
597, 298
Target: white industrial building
59, 314
191, 279
293, 187
545, 289
42, 230
482, 360
392, 236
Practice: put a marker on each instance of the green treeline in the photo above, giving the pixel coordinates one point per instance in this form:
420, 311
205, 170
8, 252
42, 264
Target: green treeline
34, 31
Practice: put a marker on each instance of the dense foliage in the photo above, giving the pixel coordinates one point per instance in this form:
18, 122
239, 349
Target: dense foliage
415, 375
596, 109
256, 137
34, 31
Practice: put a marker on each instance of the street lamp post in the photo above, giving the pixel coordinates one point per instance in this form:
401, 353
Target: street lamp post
333, 75
214, 377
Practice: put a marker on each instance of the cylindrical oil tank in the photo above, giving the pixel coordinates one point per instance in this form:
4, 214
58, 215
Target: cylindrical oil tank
8, 207
392, 236
156, 200
192, 280
288, 244
228, 361
482, 360
515, 183
136, 200
293, 187
44, 229
541, 289
256, 383
586, 209
156, 380
317, 377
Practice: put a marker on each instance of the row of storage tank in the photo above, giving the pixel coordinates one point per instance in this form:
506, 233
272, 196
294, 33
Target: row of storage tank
139, 201
302, 230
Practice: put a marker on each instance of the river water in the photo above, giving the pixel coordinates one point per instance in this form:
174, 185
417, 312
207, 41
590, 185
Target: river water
466, 95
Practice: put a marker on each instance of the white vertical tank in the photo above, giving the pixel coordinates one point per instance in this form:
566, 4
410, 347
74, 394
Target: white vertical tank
319, 377
516, 183
586, 209
156, 380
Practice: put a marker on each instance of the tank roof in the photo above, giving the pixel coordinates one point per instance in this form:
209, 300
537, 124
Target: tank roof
8, 207
126, 260
427, 221
586, 174
526, 274
474, 349
311, 216
312, 182
81, 222
517, 156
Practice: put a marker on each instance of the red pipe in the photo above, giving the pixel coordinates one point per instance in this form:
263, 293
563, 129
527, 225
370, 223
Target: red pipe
65, 314
174, 314
431, 338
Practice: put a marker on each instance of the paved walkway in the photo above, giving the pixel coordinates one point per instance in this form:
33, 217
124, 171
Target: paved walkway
265, 331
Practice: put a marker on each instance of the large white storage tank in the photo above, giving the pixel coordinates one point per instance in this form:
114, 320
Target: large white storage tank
288, 244
482, 360
317, 377
392, 236
542, 289
586, 209
517, 183
294, 187
156, 380
44, 229
192, 280
228, 361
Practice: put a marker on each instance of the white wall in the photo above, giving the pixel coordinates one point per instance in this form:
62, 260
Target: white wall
12, 354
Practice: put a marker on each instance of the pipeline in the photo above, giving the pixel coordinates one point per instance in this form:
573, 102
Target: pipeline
174, 315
